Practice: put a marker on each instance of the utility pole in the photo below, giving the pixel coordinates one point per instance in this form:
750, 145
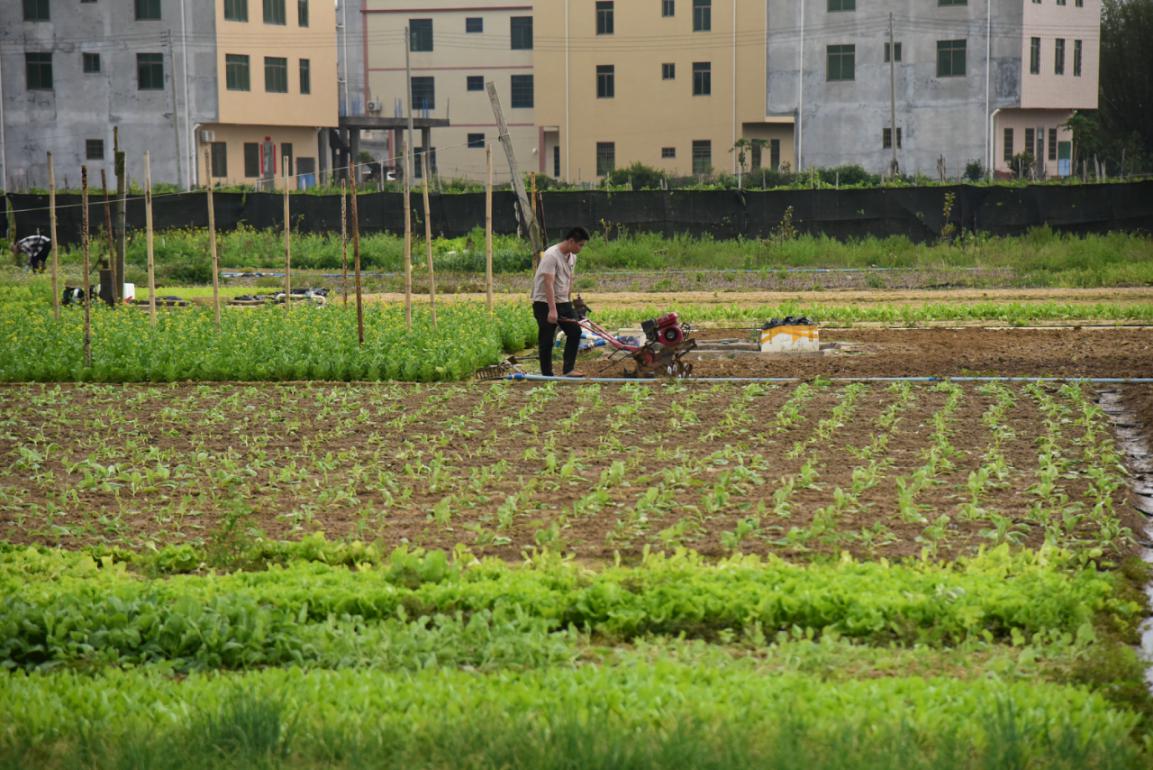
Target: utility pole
121, 226
531, 225
408, 151
894, 169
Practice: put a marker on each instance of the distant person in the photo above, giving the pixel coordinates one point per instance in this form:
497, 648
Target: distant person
36, 248
552, 301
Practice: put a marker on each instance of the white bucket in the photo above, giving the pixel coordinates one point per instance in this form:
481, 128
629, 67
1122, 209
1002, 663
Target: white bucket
129, 292
791, 339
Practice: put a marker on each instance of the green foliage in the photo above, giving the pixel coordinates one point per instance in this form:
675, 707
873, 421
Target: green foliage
638, 176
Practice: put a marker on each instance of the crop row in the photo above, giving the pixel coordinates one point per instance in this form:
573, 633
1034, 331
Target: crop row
643, 714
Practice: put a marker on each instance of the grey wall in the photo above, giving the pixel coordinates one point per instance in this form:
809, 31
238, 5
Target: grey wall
350, 49
842, 122
87, 106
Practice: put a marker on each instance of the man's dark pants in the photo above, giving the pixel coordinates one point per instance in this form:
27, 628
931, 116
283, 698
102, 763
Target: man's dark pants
546, 336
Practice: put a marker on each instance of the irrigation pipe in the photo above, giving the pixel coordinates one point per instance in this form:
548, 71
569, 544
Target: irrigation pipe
577, 380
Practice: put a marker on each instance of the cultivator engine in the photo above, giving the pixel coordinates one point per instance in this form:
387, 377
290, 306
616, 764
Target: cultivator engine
661, 354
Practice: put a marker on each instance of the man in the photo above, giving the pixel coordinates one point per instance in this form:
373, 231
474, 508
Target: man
37, 248
552, 301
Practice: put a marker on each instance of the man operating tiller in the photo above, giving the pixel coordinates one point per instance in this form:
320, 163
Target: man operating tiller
552, 302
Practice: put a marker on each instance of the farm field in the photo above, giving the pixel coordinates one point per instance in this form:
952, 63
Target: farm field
266, 546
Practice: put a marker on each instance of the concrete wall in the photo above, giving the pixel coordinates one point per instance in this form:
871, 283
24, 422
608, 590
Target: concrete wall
456, 55
87, 106
647, 112
350, 44
1051, 22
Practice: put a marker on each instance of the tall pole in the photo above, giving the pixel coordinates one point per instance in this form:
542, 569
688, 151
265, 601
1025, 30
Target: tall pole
894, 169
147, 238
52, 235
428, 240
84, 251
356, 264
287, 240
212, 239
408, 185
344, 239
531, 224
121, 206
488, 224
116, 287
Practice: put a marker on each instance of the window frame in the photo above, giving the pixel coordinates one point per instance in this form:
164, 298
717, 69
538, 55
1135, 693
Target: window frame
520, 33
41, 10
524, 81
1034, 56
473, 143
947, 57
42, 67
702, 15
86, 58
148, 10
430, 92
668, 71
606, 75
887, 138
606, 158
272, 66
605, 10
1007, 144
896, 49
275, 13
473, 21
836, 56
420, 38
702, 78
471, 80
945, 3
302, 13
251, 160
698, 156
304, 73
1078, 53
235, 65
839, 6
668, 9
89, 144
218, 160
155, 60
1059, 56
236, 10
668, 152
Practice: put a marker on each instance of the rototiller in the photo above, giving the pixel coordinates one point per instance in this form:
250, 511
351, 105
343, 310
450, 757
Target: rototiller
666, 342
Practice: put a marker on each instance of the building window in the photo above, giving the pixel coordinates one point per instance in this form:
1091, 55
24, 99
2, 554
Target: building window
1008, 153
896, 52
521, 91
702, 15
236, 10
604, 17
475, 82
887, 138
556, 161
276, 74
302, 13
1079, 3
950, 58
1052, 144
474, 24
668, 72
606, 158
1034, 56
668, 8
91, 62
702, 156
1076, 58
1060, 2
147, 10
774, 154
476, 141
606, 77
1040, 145
274, 12
424, 93
38, 71
219, 159
668, 152
521, 29
702, 78
420, 34
1059, 56
94, 149
236, 73
286, 155
1030, 138
305, 76
841, 62
251, 160
952, 2
37, 10
150, 71
842, 5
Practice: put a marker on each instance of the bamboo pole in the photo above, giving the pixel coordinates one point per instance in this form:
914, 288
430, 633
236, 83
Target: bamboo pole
344, 239
287, 239
148, 237
356, 265
84, 251
52, 235
428, 240
116, 287
408, 236
488, 225
212, 238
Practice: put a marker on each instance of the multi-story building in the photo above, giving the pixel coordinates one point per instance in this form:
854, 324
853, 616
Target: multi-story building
673, 84
456, 47
963, 81
243, 81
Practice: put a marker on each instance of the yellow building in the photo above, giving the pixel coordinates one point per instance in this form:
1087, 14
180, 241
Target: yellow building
673, 84
276, 91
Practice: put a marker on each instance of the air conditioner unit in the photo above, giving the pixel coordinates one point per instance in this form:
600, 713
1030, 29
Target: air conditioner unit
374, 105
207, 137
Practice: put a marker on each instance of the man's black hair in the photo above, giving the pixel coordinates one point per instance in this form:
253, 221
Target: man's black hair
577, 234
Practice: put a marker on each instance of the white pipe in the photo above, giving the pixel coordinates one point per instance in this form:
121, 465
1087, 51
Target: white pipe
734, 87
992, 141
988, 77
914, 378
801, 94
344, 50
3, 146
189, 144
567, 138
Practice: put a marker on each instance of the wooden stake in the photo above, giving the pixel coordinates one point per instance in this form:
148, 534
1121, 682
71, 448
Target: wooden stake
148, 238
116, 287
84, 251
488, 226
212, 238
356, 265
52, 235
287, 240
428, 240
344, 239
407, 238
